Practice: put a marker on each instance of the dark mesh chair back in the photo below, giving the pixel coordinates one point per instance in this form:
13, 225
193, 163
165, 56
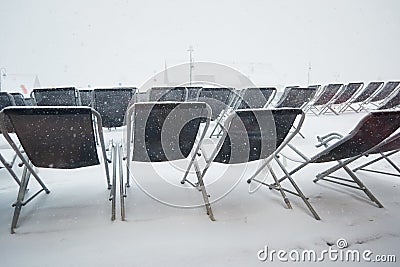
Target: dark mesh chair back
193, 93
295, 97
56, 96
370, 131
85, 97
112, 104
368, 91
165, 131
386, 90
6, 100
19, 99
175, 94
216, 98
348, 91
393, 102
256, 97
327, 94
255, 134
61, 138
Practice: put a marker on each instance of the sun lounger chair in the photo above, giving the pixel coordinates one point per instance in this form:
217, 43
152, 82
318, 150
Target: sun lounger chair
112, 104
369, 132
323, 99
254, 134
53, 137
166, 131
343, 98
364, 96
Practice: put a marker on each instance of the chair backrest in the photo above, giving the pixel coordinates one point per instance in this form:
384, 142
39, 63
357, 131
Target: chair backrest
85, 96
328, 92
368, 91
193, 92
165, 131
55, 137
386, 90
369, 132
112, 104
255, 134
176, 94
348, 91
256, 97
295, 97
6, 100
56, 96
217, 98
392, 102
19, 99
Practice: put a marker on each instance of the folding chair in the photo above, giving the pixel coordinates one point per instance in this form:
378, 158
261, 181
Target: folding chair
176, 94
392, 101
364, 96
166, 131
382, 94
323, 99
112, 104
295, 97
53, 137
19, 99
85, 96
385, 149
343, 98
67, 96
258, 97
369, 132
254, 134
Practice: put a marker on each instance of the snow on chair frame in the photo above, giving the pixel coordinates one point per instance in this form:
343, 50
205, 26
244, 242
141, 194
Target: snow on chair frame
166, 131
254, 134
368, 133
54, 137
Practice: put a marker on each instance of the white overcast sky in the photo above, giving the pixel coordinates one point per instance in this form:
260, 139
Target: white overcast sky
103, 43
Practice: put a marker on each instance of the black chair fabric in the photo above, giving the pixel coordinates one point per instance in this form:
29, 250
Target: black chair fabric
112, 104
61, 138
56, 96
255, 134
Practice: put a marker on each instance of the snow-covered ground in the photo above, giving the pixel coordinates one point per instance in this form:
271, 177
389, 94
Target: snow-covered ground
72, 227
